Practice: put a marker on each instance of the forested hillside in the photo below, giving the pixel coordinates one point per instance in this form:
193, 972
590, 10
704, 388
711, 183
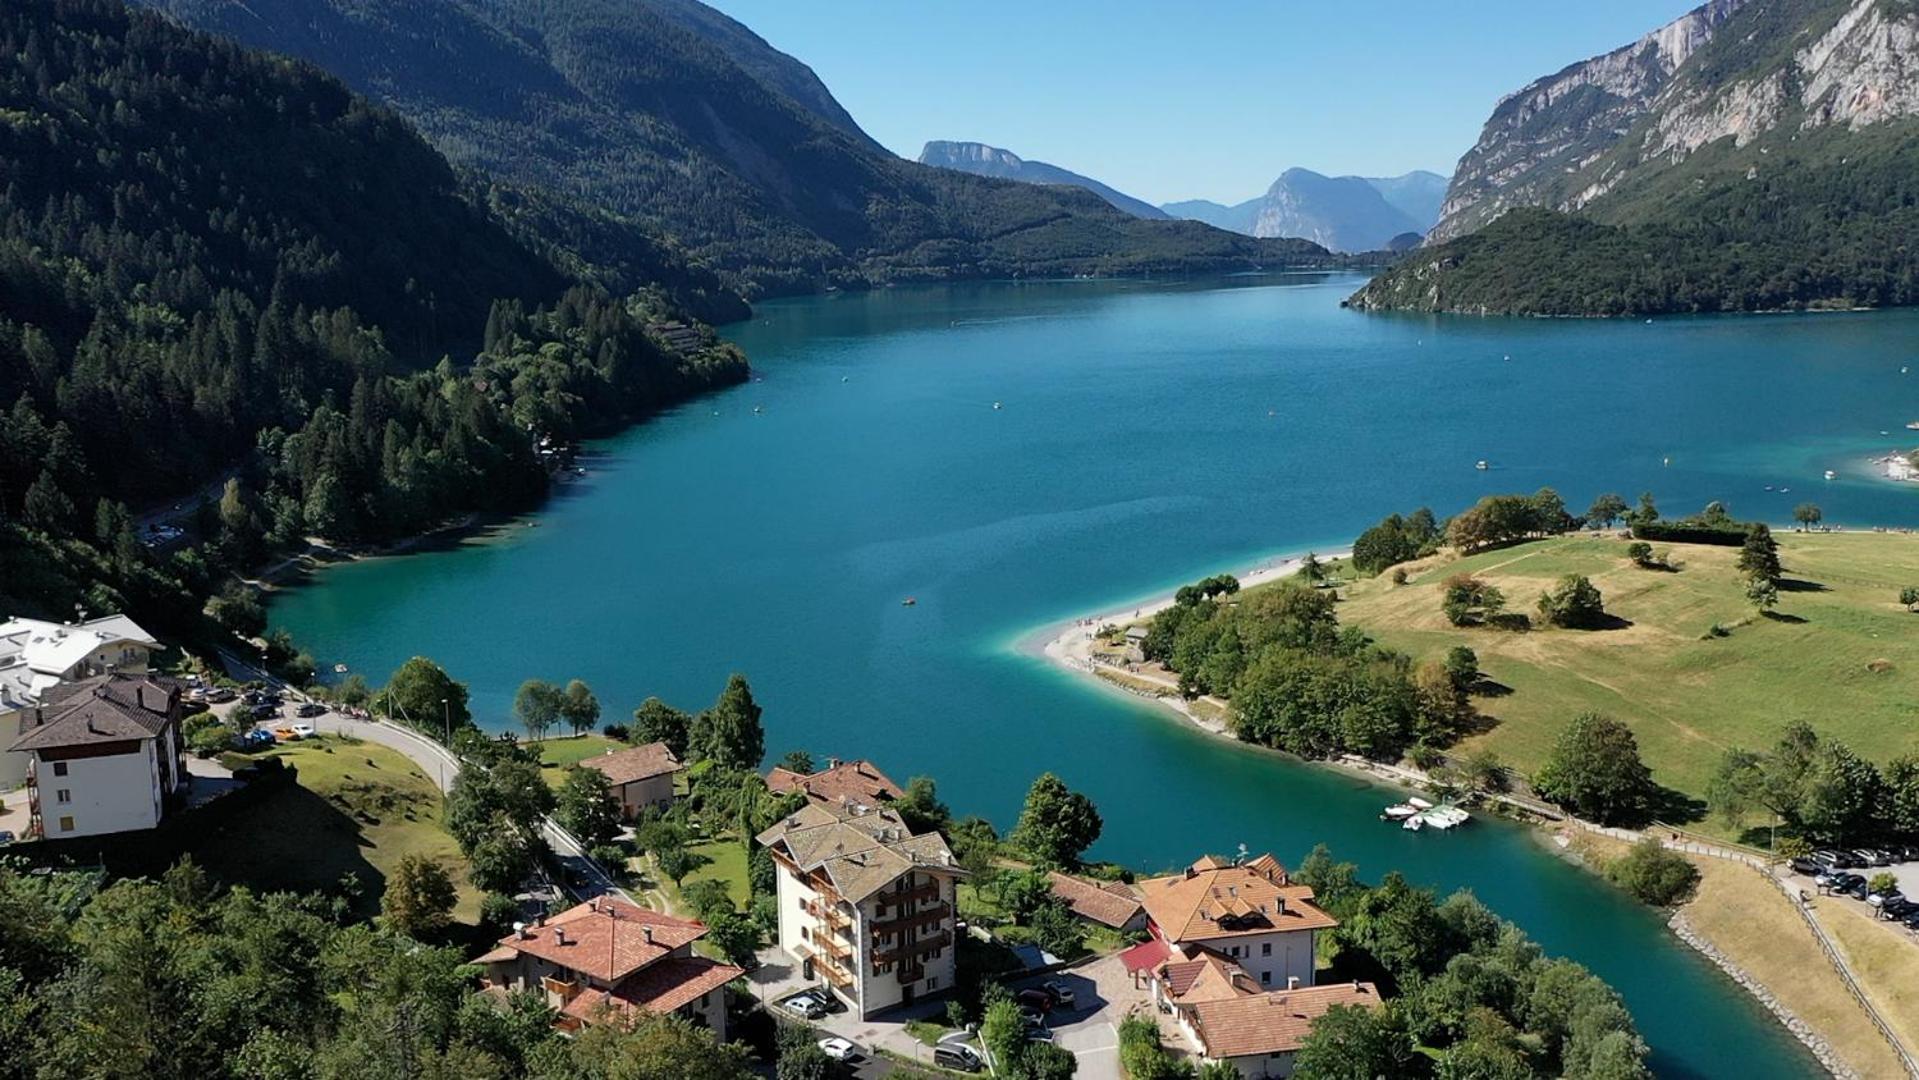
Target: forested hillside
679, 118
214, 261
1777, 167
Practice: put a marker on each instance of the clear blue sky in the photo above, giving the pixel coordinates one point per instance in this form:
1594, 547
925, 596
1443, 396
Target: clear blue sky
1197, 99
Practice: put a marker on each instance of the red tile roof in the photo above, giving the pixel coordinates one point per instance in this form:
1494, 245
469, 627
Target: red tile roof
848, 781
1211, 900
634, 764
1271, 1023
1109, 903
661, 988
605, 939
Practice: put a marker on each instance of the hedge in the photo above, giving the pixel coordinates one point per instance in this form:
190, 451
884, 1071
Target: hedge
1691, 532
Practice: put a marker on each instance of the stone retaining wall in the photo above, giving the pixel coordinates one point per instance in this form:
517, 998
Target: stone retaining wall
1799, 1028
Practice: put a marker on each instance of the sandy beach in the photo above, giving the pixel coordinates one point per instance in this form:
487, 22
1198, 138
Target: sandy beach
1070, 644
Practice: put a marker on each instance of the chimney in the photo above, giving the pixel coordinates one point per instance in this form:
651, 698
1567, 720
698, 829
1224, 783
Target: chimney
539, 920
832, 763
1292, 982
646, 932
519, 931
1279, 906
559, 935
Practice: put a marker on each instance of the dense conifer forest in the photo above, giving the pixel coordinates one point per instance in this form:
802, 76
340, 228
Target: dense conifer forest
216, 263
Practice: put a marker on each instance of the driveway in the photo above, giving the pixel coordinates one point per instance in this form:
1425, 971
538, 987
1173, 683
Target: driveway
1103, 995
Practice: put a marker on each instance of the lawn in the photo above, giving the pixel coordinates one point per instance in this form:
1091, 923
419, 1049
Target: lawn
358, 808
1884, 961
1753, 924
726, 861
1844, 656
557, 753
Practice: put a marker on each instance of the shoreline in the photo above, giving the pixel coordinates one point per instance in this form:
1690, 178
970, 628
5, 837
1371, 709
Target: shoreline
1068, 644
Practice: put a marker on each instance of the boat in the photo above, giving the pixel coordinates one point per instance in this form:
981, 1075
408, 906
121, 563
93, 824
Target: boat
1399, 812
1481, 465
1830, 475
996, 405
1419, 803
759, 408
1414, 823
1446, 817
339, 669
1912, 425
1768, 487
908, 602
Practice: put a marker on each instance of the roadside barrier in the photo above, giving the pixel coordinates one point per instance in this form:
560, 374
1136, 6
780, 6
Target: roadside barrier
1845, 975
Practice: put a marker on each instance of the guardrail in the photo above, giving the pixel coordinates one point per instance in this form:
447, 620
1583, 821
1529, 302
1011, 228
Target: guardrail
1845, 976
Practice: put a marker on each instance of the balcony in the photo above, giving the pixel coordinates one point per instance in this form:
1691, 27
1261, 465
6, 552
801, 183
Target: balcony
831, 916
909, 973
913, 949
901, 897
931, 915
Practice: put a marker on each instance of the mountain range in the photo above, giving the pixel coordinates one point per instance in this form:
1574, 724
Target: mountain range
983, 160
1750, 155
670, 115
1343, 213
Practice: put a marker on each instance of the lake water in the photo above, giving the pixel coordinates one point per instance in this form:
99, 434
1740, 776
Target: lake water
1147, 435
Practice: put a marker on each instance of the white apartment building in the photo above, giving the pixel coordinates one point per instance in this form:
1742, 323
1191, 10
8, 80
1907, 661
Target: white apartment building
104, 756
36, 656
865, 906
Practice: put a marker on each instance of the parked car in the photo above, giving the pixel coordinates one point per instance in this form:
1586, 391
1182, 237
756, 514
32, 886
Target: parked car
310, 708
840, 1049
6, 837
1857, 889
805, 1004
1880, 900
1062, 993
1897, 907
256, 739
1846, 882
220, 695
1809, 867
1839, 860
286, 734
303, 731
1036, 998
1031, 1017
1865, 857
1911, 919
1039, 1034
957, 1058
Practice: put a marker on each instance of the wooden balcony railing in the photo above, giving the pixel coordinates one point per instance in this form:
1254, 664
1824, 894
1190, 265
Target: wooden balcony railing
928, 891
910, 949
931, 915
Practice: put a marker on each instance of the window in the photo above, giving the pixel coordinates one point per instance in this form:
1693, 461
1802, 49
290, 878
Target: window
59, 768
1266, 948
63, 795
932, 981
66, 824
1265, 978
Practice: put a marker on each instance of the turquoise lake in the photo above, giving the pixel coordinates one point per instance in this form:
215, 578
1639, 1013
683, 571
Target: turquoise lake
1147, 435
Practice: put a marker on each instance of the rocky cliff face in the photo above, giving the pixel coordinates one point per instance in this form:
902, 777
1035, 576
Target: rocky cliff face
1566, 121
1731, 74
983, 160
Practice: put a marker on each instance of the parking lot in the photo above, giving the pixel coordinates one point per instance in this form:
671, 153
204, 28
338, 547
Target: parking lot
1103, 995
1902, 904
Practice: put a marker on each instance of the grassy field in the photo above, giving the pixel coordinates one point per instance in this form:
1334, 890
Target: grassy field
359, 807
1754, 925
1885, 962
1843, 653
561, 751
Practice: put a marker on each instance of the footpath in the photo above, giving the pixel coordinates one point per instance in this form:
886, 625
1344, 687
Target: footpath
584, 875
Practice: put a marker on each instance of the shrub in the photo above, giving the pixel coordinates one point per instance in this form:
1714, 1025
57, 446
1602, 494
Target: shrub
1469, 601
611, 856
498, 912
1574, 603
616, 731
1883, 883
1653, 874
1640, 553
1399, 575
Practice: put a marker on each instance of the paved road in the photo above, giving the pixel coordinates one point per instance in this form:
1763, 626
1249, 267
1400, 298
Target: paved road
585, 876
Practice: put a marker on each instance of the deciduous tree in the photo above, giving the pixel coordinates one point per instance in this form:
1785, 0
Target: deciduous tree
1594, 769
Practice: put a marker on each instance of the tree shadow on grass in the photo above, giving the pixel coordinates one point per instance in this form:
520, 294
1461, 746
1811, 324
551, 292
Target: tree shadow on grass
1677, 807
1604, 621
1516, 622
1783, 617
1489, 688
293, 840
1798, 585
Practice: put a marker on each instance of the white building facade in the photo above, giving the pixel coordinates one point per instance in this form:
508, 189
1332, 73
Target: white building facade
104, 755
865, 906
37, 656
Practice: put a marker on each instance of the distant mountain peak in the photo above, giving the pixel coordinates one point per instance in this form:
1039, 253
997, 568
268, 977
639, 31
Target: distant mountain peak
1344, 213
984, 160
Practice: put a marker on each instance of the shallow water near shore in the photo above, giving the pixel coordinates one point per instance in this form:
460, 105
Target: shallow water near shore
1145, 435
